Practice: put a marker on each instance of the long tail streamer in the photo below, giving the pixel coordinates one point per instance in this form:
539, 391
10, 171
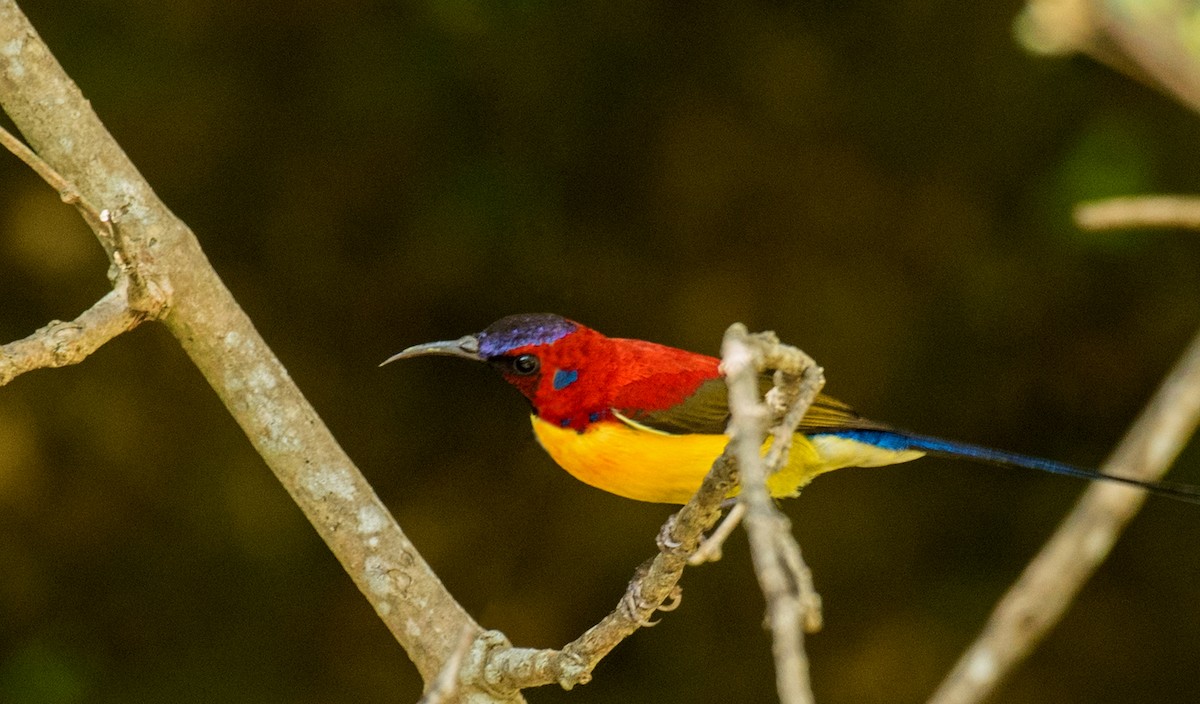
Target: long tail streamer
900, 440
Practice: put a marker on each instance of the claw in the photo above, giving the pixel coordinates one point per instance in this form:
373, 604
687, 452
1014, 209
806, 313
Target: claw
674, 599
666, 539
634, 606
629, 603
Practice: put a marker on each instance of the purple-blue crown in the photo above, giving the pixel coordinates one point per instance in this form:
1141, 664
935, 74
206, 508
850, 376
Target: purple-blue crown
525, 329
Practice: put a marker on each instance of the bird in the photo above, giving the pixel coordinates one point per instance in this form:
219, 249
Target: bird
646, 421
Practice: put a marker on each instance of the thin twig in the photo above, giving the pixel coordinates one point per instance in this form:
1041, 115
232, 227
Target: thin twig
99, 220
1038, 599
33, 161
777, 560
131, 301
444, 687
1139, 211
654, 587
798, 381
710, 549
60, 343
145, 293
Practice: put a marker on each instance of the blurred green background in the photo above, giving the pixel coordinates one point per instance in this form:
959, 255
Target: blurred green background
886, 184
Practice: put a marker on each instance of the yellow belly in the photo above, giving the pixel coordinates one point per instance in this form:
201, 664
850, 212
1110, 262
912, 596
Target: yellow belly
650, 466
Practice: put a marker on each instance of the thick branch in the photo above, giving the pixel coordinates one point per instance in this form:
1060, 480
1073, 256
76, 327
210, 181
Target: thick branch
155, 247
1037, 601
1151, 42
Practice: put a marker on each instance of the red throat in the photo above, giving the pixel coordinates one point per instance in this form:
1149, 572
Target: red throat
584, 375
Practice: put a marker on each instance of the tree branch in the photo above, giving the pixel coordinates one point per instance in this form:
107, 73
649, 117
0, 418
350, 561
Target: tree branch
786, 582
159, 257
1148, 45
59, 343
1038, 599
159, 272
1150, 42
1139, 211
132, 300
653, 584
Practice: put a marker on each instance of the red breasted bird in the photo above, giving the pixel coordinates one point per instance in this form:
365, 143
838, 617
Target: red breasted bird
646, 421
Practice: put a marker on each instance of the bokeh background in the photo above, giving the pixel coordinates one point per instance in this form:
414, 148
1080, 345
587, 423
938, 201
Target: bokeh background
886, 184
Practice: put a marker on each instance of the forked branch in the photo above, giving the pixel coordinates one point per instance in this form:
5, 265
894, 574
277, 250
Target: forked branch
792, 602
157, 259
132, 300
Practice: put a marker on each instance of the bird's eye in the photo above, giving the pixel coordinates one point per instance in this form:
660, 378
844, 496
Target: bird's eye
526, 364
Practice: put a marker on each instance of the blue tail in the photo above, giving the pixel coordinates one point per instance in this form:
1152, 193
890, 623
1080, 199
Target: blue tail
899, 440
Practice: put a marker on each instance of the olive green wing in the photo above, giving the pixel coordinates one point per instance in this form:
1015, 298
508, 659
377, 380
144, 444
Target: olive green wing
707, 412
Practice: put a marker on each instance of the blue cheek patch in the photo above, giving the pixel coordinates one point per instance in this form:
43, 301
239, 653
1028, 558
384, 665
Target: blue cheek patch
564, 378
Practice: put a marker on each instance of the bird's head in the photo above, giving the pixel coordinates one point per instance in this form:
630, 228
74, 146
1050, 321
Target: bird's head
541, 354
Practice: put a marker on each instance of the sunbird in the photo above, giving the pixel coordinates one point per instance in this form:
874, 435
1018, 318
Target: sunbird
646, 421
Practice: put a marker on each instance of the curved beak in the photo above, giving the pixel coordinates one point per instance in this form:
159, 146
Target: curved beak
466, 347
